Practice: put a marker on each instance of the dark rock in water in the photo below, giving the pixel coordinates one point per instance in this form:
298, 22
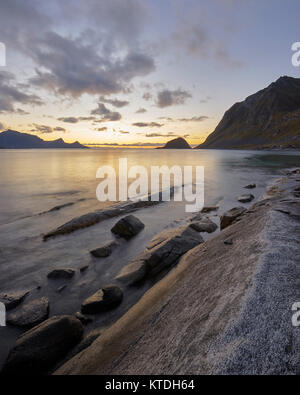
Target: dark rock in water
178, 143
209, 209
39, 349
250, 186
62, 273
161, 253
128, 227
104, 251
228, 242
62, 288
133, 273
230, 216
204, 225
84, 268
31, 314
105, 299
246, 198
13, 299
86, 342
83, 318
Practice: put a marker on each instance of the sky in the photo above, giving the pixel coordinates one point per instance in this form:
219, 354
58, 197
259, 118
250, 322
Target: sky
138, 72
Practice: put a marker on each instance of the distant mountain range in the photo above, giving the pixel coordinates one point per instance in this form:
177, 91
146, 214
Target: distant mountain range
268, 119
179, 143
11, 139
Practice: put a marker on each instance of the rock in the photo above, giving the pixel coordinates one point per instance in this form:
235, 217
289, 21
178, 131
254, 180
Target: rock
62, 273
83, 318
13, 299
162, 252
39, 349
128, 227
250, 186
228, 242
62, 288
204, 225
133, 273
246, 198
31, 314
84, 268
209, 209
105, 299
104, 251
86, 342
230, 216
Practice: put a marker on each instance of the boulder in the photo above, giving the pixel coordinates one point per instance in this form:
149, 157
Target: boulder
230, 216
209, 209
83, 318
128, 227
104, 251
163, 251
31, 314
39, 349
13, 299
250, 186
246, 198
105, 299
204, 225
62, 273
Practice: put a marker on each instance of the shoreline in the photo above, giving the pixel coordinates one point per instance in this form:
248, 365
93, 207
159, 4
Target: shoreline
217, 287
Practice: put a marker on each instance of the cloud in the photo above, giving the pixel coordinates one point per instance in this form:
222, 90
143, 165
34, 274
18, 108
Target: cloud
171, 134
76, 119
147, 96
106, 114
141, 111
148, 124
59, 129
71, 67
1, 126
43, 129
12, 93
123, 132
166, 98
114, 102
194, 119
104, 129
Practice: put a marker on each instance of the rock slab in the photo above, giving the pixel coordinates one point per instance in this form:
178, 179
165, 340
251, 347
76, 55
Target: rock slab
128, 227
105, 299
13, 299
230, 216
31, 314
104, 251
63, 273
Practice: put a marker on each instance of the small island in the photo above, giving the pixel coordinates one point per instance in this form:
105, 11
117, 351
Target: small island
179, 143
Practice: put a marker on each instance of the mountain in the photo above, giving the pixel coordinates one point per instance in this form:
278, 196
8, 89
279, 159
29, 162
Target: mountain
17, 140
268, 119
178, 143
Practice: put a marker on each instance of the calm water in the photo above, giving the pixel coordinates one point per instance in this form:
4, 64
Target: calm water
34, 181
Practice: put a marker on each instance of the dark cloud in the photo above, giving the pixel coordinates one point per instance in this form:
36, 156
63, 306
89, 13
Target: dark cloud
74, 68
106, 114
171, 134
166, 98
104, 129
114, 102
194, 119
76, 119
42, 129
12, 93
59, 129
148, 124
141, 111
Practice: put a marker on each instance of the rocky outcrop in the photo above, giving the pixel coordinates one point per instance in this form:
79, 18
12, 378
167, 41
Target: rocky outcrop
105, 299
161, 253
269, 118
104, 251
230, 216
128, 227
31, 314
13, 299
62, 273
246, 198
39, 349
179, 143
